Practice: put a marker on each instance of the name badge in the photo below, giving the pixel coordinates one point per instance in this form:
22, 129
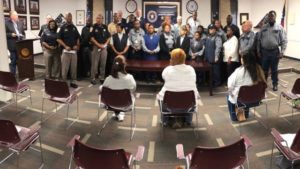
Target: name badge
66, 30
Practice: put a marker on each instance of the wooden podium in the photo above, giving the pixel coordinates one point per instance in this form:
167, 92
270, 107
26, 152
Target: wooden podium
25, 60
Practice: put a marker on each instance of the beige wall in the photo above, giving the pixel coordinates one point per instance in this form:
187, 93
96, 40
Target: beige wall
224, 10
98, 8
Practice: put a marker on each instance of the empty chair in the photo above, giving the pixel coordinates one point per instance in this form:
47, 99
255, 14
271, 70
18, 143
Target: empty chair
9, 83
289, 146
292, 95
59, 92
18, 139
227, 157
179, 104
120, 101
88, 157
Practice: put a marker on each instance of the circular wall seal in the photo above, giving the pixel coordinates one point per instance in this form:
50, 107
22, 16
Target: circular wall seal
131, 6
191, 6
152, 16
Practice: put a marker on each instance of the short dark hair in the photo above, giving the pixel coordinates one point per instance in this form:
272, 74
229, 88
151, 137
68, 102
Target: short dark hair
119, 65
120, 25
273, 12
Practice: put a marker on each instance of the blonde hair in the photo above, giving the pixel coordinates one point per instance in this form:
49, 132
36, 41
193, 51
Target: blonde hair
178, 56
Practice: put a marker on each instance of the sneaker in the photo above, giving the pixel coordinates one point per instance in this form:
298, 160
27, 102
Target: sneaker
93, 82
177, 125
74, 85
121, 116
114, 116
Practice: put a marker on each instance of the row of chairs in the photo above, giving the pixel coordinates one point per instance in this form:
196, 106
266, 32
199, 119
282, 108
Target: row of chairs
18, 139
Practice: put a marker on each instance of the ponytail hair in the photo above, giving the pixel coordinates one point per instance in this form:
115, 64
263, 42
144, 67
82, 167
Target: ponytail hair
119, 65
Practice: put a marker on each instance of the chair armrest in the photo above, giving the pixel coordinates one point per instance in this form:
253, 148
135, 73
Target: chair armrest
72, 141
34, 129
248, 142
276, 135
25, 80
180, 151
140, 153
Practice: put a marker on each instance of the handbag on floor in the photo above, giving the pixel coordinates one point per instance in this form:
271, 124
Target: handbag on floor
240, 114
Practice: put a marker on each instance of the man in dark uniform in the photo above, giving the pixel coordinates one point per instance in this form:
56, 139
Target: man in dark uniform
14, 32
69, 39
85, 49
100, 38
272, 43
236, 30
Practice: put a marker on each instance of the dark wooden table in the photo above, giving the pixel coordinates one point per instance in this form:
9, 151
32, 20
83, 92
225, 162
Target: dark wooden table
158, 66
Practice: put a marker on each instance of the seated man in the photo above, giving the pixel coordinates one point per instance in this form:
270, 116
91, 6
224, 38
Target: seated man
178, 77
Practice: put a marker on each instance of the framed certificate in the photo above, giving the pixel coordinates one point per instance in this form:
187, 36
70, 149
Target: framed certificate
243, 17
80, 17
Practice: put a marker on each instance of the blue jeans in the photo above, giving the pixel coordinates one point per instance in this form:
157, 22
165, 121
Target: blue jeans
231, 109
270, 58
13, 62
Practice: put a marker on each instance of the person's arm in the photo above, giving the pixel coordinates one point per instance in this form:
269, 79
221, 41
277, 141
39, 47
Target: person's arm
113, 47
132, 83
258, 43
218, 49
201, 52
232, 80
283, 43
61, 42
250, 44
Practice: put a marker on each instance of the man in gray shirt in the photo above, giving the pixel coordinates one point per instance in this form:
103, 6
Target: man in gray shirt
136, 36
247, 38
272, 43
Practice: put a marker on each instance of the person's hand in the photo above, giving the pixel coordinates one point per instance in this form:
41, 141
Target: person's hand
67, 48
51, 47
280, 56
13, 35
193, 56
75, 47
229, 61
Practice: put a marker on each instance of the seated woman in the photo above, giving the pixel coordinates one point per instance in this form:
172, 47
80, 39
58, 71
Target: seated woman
247, 74
178, 77
120, 79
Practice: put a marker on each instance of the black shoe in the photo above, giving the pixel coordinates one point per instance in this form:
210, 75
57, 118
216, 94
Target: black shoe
275, 88
93, 82
73, 85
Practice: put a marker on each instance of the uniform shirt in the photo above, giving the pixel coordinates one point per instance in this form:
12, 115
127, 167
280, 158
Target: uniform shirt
85, 37
125, 81
213, 47
100, 33
222, 34
231, 49
136, 37
179, 78
197, 47
69, 34
194, 25
176, 30
49, 37
246, 42
240, 77
272, 37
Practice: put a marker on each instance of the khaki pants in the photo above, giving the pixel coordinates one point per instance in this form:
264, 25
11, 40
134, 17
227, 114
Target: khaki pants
98, 56
52, 63
69, 60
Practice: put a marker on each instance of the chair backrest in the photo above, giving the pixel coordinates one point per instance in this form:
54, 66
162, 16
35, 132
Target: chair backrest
116, 98
7, 79
57, 88
179, 101
252, 94
228, 157
296, 87
92, 158
296, 143
9, 133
